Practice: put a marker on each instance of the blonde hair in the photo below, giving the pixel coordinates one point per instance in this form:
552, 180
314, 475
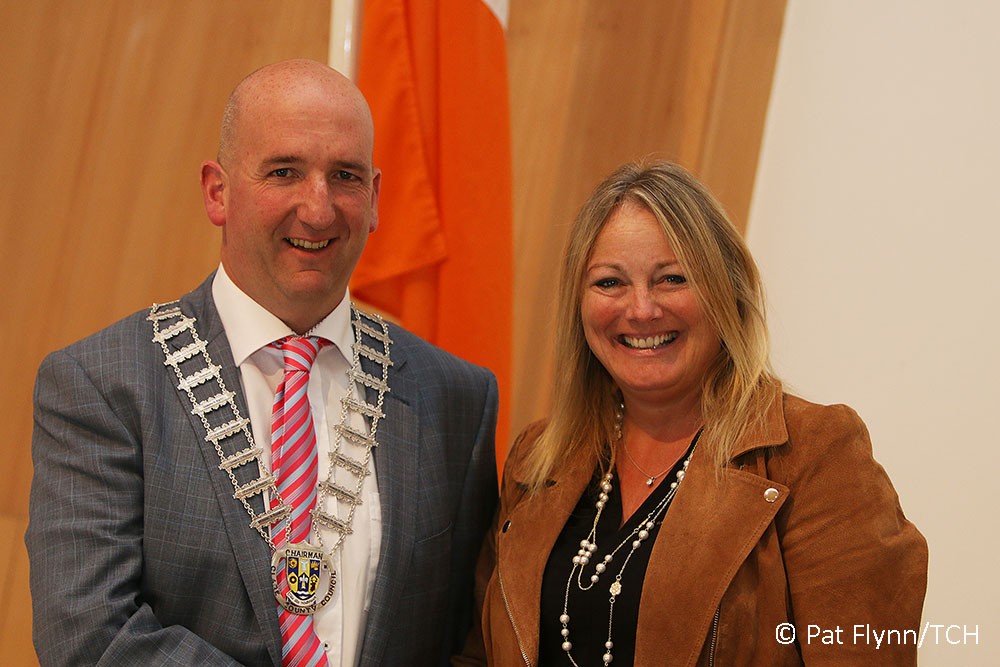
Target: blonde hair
724, 276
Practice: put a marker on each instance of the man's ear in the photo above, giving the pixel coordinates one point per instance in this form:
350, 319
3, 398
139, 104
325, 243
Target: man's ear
376, 185
213, 191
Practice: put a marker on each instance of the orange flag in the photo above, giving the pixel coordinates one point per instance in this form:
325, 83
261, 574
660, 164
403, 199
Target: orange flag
435, 75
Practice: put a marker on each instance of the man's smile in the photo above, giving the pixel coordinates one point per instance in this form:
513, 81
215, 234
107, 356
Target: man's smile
308, 245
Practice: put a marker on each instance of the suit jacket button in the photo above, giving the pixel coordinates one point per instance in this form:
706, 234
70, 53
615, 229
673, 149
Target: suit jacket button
506, 525
771, 494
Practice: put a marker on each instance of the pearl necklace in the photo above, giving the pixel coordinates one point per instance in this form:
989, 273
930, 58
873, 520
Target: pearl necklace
588, 548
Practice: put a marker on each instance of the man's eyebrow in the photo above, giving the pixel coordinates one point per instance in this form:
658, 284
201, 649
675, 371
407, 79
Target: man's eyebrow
281, 159
352, 166
348, 165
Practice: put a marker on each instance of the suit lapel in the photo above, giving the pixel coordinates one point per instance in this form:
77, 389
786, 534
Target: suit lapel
397, 464
251, 551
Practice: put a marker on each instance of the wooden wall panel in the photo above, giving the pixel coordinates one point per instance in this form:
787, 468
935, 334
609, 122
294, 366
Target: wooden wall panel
734, 121
15, 598
109, 107
596, 83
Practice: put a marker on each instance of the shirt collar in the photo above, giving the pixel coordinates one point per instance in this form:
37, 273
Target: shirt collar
249, 326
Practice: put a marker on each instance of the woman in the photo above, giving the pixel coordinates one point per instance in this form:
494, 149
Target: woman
677, 508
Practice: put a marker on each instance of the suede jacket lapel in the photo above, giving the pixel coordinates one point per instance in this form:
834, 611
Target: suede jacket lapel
692, 535
525, 539
716, 518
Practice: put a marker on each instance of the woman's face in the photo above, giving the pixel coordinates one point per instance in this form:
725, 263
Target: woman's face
641, 318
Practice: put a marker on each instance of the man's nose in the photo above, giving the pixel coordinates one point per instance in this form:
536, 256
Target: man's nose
316, 208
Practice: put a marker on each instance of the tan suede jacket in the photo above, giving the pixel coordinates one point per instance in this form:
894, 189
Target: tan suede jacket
802, 528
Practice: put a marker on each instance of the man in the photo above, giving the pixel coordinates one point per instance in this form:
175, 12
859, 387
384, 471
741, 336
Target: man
166, 528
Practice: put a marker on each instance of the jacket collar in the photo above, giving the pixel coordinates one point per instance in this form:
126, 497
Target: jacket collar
770, 431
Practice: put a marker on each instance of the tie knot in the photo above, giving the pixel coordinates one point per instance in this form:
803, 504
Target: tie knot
300, 351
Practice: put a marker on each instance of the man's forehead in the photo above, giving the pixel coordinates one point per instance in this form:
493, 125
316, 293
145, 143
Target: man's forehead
306, 131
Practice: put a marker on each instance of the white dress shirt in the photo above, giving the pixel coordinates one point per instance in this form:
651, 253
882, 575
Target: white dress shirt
340, 625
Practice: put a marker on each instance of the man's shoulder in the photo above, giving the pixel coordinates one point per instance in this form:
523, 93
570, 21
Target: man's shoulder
123, 333
118, 359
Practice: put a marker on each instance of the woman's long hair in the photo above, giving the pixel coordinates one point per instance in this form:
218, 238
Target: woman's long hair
737, 390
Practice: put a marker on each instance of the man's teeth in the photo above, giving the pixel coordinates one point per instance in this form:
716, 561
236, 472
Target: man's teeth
309, 245
651, 342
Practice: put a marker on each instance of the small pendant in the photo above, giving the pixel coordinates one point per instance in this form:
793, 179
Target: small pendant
304, 569
649, 482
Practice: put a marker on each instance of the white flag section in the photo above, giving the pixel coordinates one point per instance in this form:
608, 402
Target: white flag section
500, 9
345, 25
343, 36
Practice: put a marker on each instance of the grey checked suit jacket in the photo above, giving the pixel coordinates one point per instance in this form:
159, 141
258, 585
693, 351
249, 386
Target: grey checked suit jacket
140, 555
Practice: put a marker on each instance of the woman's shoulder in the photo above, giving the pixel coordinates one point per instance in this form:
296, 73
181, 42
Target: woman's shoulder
820, 436
806, 420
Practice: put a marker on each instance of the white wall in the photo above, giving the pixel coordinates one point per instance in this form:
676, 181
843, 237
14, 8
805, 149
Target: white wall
875, 222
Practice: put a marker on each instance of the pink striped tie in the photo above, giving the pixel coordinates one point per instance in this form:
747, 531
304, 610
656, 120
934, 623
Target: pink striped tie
294, 463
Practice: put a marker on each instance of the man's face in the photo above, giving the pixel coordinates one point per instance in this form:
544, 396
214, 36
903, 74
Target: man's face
297, 201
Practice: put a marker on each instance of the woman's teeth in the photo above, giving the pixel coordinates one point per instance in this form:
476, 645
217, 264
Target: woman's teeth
649, 343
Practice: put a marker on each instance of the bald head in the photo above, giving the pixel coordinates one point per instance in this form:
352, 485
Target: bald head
289, 82
294, 188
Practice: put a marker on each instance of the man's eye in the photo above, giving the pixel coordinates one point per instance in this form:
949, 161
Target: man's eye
345, 176
283, 172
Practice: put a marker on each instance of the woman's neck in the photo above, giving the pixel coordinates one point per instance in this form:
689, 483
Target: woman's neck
666, 423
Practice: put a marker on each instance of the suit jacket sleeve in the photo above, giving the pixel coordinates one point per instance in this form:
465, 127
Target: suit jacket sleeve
479, 498
85, 536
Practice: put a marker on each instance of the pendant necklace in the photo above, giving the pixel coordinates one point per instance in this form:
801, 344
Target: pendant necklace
649, 478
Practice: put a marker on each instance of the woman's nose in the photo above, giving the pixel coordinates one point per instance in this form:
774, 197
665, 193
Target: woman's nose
642, 305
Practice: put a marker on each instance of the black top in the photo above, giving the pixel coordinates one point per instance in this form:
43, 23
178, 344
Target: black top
588, 610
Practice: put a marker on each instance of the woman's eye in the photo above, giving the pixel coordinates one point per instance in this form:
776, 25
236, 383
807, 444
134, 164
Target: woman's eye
674, 279
605, 283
